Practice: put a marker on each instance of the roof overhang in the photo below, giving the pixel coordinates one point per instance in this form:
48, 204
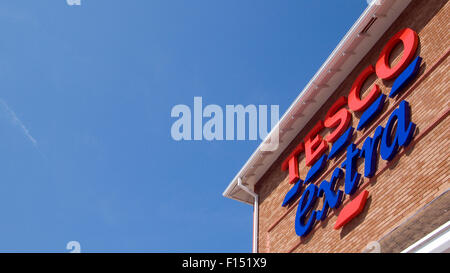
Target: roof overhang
361, 37
437, 241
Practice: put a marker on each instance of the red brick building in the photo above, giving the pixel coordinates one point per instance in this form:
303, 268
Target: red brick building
408, 202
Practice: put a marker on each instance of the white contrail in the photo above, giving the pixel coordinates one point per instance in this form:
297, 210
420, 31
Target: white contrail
14, 119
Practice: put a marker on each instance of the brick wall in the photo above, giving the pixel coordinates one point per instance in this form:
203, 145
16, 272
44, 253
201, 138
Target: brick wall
400, 188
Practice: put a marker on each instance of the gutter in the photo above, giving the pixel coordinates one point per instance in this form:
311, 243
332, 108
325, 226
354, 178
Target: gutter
255, 213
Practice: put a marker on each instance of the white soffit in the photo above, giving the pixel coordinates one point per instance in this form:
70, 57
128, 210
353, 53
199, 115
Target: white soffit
361, 37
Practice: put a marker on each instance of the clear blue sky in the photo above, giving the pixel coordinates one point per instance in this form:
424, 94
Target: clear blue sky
85, 98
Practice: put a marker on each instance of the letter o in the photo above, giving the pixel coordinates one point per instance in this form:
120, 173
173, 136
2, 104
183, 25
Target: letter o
410, 41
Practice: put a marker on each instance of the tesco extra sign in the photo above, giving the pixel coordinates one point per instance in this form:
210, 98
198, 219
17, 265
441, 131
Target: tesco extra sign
398, 132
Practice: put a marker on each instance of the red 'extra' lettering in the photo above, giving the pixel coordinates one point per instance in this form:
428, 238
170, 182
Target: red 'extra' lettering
355, 103
315, 146
410, 41
339, 119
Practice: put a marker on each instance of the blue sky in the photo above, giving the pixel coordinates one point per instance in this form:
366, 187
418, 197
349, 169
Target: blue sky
85, 99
